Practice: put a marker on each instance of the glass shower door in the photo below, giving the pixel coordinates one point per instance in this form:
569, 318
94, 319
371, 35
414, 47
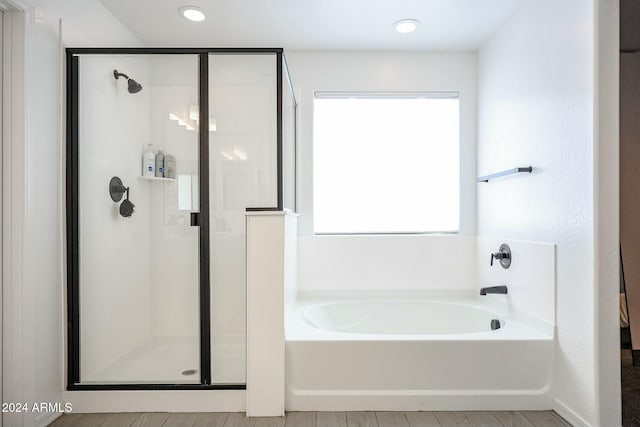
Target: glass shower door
138, 272
242, 174
156, 289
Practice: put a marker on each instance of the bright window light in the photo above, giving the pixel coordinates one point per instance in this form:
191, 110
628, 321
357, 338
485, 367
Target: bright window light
386, 163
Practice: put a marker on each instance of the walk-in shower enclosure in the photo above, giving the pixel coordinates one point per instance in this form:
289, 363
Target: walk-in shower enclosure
157, 296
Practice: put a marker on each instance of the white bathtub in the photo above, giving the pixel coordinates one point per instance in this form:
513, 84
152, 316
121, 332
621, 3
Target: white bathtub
400, 317
432, 351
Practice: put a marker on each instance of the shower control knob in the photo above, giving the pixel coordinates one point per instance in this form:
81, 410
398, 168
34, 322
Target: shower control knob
496, 255
503, 255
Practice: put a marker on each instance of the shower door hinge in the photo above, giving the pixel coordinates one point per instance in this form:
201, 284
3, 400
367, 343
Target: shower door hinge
195, 219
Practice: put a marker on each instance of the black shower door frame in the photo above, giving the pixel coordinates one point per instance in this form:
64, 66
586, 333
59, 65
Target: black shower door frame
72, 205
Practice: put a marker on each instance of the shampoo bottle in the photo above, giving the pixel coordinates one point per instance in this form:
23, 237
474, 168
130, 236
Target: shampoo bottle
169, 166
148, 162
159, 164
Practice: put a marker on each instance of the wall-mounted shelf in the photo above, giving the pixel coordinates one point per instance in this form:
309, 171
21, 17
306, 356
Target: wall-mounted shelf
155, 178
487, 178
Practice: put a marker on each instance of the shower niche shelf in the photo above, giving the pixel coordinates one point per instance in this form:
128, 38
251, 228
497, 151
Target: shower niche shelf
155, 178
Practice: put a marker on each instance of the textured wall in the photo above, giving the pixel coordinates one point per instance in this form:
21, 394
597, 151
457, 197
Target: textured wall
535, 107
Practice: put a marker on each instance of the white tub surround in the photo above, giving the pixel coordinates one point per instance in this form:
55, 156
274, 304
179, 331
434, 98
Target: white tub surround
379, 262
430, 262
271, 259
415, 351
531, 278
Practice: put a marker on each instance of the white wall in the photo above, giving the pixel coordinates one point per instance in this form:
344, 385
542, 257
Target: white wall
36, 325
270, 267
384, 71
536, 106
86, 23
42, 217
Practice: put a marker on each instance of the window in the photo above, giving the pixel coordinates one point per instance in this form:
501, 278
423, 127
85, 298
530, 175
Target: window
386, 162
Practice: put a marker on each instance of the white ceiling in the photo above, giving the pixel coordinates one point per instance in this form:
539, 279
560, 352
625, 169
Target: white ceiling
316, 24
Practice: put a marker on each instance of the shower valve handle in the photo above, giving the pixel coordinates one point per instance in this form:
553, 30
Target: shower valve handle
503, 255
497, 255
121, 190
117, 189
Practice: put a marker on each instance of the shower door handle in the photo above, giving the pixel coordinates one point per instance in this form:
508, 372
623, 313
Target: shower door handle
195, 219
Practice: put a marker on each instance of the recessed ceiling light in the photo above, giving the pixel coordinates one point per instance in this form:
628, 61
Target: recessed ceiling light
406, 25
192, 13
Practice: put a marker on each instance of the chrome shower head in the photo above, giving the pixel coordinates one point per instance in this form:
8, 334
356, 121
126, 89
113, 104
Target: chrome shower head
133, 86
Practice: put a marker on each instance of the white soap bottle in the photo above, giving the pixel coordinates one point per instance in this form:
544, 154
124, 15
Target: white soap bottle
148, 162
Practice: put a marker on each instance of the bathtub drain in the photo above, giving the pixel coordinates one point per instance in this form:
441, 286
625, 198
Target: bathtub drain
495, 324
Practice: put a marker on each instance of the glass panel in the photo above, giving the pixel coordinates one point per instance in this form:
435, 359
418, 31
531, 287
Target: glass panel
242, 103
289, 146
139, 309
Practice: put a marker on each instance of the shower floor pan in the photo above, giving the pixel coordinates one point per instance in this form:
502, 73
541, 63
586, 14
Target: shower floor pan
174, 361
161, 361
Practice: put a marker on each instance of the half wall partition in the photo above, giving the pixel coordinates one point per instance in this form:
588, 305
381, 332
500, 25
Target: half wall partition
166, 150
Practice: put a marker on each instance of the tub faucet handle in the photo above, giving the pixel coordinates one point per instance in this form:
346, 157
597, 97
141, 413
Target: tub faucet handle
498, 256
503, 255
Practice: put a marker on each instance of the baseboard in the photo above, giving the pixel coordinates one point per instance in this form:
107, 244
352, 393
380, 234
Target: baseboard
569, 414
157, 401
414, 400
43, 420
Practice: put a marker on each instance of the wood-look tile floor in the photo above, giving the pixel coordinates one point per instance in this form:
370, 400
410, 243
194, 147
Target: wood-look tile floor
630, 390
319, 419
